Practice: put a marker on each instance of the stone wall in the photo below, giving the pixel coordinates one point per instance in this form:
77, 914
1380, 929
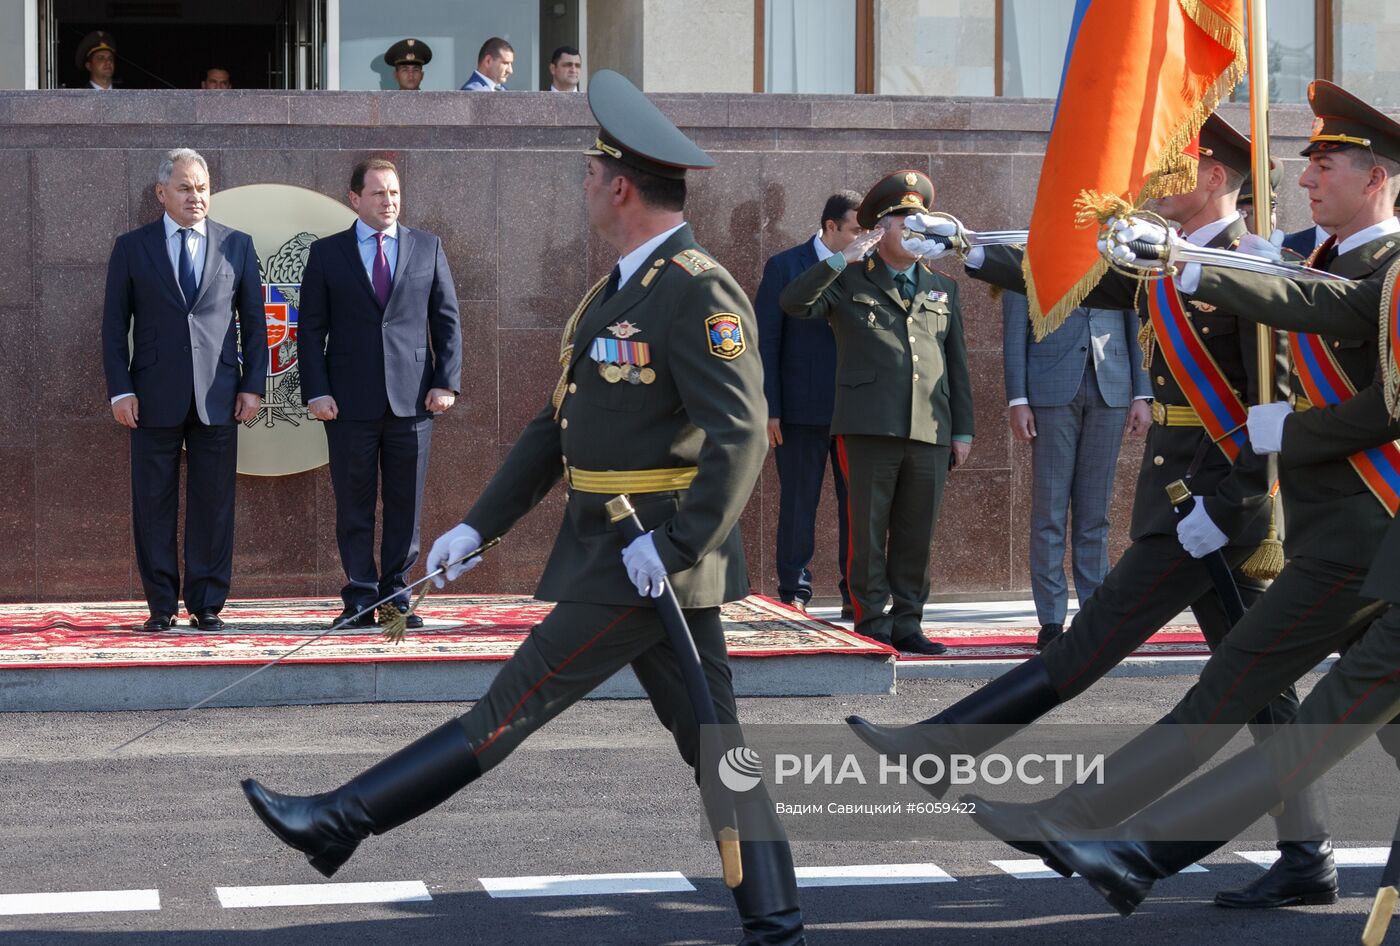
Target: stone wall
498, 177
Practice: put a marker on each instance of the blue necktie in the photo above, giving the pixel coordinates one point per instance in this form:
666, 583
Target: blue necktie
188, 284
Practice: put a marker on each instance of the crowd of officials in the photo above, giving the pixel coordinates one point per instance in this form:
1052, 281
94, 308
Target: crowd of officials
96, 55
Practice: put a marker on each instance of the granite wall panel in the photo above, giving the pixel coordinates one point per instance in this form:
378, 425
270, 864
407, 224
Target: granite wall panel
499, 178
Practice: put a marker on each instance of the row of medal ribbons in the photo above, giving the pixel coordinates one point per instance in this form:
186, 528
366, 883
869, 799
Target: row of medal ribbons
620, 360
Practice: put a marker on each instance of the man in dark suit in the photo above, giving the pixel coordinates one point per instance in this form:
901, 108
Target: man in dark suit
176, 284
380, 354
799, 382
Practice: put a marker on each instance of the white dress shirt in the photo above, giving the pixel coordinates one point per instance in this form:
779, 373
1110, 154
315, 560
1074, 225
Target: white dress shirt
823, 251
1361, 237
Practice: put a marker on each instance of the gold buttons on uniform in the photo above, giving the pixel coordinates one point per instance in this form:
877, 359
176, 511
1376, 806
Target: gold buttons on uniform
564, 424
1158, 460
911, 339
1161, 380
916, 376
916, 357
1205, 329
572, 387
1336, 344
910, 320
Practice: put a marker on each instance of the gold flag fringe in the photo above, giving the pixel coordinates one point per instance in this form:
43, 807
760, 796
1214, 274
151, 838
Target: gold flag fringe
1175, 174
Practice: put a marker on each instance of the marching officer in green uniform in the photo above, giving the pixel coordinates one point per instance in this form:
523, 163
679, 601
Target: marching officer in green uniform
1156, 578
408, 57
1335, 520
903, 414
661, 397
1358, 696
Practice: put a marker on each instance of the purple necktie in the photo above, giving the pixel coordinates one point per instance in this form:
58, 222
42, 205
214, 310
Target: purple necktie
380, 277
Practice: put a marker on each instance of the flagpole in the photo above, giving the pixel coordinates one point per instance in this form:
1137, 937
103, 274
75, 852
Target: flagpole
1267, 560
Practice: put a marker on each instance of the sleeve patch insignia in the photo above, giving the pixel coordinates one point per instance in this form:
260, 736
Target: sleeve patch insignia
725, 335
694, 262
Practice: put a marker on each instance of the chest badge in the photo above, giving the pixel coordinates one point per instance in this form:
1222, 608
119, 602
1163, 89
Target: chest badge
870, 318
1203, 306
623, 329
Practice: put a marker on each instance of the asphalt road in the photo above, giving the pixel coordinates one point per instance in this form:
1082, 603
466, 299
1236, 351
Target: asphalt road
598, 791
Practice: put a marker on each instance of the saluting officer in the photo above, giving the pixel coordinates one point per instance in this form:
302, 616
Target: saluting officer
660, 397
903, 414
408, 57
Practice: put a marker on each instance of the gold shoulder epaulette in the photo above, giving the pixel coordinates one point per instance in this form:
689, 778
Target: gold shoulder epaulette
694, 262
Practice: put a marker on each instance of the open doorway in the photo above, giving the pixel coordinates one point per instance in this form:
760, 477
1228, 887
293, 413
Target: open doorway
169, 44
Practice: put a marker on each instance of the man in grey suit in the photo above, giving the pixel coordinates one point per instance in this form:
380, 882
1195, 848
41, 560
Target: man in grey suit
1072, 396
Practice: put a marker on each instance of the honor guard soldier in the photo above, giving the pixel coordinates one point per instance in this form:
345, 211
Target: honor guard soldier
1203, 365
660, 397
408, 57
1338, 505
903, 414
97, 55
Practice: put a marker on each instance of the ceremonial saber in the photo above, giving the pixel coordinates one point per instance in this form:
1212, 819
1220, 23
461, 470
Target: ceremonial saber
697, 688
1386, 897
963, 239
337, 626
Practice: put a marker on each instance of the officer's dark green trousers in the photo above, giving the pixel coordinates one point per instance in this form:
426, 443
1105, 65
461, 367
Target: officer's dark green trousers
893, 489
1153, 582
575, 649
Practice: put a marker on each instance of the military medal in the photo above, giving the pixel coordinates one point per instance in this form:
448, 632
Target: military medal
648, 375
634, 374
612, 373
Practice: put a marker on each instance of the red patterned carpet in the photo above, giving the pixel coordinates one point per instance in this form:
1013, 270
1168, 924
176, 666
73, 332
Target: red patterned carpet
479, 627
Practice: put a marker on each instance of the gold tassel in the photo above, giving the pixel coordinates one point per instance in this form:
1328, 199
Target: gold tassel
1267, 560
1390, 360
1147, 343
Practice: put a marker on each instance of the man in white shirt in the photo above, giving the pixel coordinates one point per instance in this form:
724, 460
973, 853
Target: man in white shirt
494, 64
565, 70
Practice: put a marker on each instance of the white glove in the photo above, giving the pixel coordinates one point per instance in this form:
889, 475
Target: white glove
1265, 426
644, 566
1197, 534
450, 546
928, 248
1255, 245
1122, 232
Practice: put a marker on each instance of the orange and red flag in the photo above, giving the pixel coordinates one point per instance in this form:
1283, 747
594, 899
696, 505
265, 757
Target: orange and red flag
1140, 78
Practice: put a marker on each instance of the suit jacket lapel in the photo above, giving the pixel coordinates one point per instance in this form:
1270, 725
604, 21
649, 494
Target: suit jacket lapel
160, 258
407, 241
350, 245
600, 314
213, 252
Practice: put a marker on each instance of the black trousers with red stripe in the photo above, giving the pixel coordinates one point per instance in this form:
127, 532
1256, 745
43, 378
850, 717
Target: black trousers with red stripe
893, 490
1153, 582
579, 646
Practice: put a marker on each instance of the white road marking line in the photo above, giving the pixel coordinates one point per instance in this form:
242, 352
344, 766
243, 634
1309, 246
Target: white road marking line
865, 875
303, 895
582, 885
79, 901
1033, 868
1345, 857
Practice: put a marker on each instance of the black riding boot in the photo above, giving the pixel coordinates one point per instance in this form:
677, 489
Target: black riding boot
969, 727
1171, 834
1143, 770
767, 896
1305, 872
328, 827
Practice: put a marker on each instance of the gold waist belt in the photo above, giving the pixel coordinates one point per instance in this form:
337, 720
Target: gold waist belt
1301, 403
613, 482
1175, 415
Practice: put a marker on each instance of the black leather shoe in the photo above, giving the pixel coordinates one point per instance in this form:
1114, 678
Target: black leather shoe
158, 622
206, 619
328, 827
413, 623
917, 643
365, 620
1305, 874
1048, 632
